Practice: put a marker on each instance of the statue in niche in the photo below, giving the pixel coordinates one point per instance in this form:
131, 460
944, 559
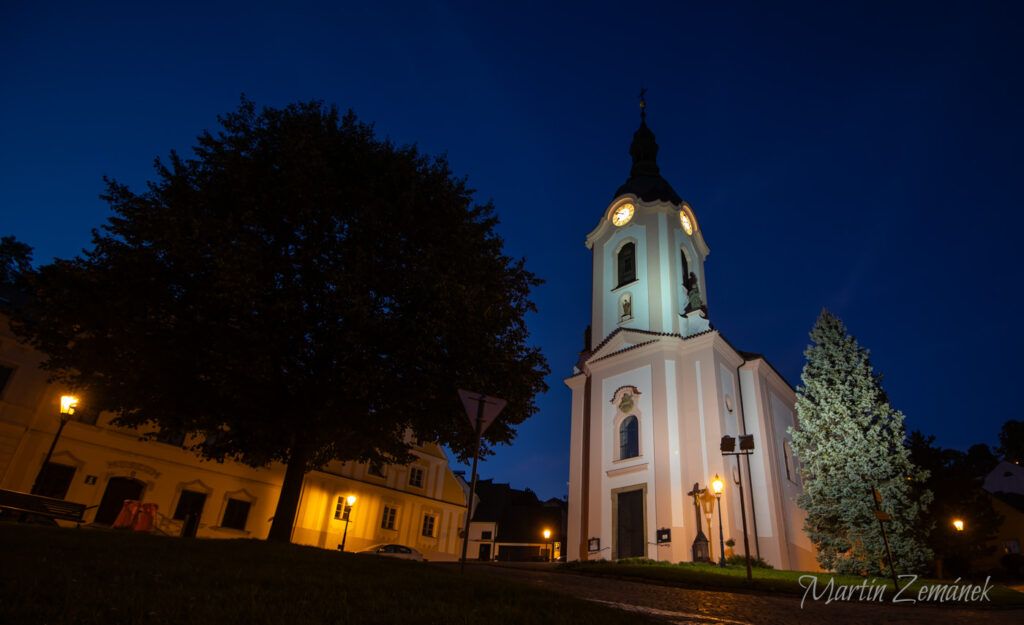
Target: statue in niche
627, 308
692, 294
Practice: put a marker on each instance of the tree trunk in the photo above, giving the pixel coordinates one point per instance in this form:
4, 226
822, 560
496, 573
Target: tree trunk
288, 501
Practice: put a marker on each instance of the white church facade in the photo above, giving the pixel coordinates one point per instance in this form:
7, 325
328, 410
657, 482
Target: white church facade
657, 387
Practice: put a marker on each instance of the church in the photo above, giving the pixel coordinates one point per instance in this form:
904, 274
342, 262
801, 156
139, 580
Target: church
656, 388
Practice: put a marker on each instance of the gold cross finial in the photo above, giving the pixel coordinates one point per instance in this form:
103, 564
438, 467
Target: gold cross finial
643, 104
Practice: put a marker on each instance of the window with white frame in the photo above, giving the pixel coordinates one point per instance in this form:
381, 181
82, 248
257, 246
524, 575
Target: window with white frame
429, 525
236, 513
416, 477
387, 520
341, 510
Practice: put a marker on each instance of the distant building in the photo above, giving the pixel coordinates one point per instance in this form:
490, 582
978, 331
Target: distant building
1005, 484
420, 505
509, 524
655, 389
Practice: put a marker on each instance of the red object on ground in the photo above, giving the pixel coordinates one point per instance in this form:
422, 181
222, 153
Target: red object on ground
126, 517
144, 518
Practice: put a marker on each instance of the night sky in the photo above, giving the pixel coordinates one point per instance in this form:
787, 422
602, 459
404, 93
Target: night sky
866, 158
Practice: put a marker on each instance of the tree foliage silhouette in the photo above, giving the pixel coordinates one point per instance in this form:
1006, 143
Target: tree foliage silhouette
298, 291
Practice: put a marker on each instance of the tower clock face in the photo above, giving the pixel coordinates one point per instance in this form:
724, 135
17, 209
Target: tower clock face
685, 220
622, 214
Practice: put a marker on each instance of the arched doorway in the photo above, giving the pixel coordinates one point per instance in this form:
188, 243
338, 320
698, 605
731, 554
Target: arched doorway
118, 489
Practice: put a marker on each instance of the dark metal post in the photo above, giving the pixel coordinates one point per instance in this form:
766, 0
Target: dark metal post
882, 516
472, 485
63, 421
348, 519
743, 513
721, 536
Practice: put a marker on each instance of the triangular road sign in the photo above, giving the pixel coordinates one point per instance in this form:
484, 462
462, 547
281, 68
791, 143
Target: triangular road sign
492, 407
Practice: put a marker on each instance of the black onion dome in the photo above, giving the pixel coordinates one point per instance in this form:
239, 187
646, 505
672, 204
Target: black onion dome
645, 179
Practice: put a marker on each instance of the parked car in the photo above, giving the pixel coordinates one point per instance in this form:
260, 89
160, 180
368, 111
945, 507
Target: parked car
395, 551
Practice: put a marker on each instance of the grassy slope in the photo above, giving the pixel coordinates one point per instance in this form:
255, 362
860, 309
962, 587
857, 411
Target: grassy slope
734, 578
55, 576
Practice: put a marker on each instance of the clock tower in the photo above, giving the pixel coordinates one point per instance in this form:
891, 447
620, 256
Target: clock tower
648, 254
655, 389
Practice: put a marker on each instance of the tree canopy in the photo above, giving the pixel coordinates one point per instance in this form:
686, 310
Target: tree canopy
15, 262
298, 291
849, 442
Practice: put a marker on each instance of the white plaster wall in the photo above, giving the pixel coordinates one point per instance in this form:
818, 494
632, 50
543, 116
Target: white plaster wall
754, 421
675, 443
576, 532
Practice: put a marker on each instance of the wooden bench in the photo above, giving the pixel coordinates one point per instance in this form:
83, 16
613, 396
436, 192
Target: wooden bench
26, 504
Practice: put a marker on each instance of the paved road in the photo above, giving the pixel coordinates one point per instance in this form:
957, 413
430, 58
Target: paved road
685, 606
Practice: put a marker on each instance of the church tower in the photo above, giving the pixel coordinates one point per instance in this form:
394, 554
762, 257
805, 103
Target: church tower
655, 389
648, 253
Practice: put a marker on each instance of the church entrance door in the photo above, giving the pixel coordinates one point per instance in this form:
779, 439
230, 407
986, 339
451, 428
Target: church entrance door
630, 524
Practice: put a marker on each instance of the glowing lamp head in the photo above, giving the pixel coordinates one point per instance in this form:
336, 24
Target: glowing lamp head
717, 484
547, 534
959, 525
68, 403
351, 499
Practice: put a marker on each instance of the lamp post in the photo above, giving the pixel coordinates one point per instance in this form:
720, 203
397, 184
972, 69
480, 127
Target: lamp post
959, 525
68, 403
547, 537
707, 501
746, 449
351, 499
716, 485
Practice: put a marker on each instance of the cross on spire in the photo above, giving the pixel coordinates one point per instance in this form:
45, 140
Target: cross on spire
643, 104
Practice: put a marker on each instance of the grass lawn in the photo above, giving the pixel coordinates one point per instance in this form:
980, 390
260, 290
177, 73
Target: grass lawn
58, 576
734, 578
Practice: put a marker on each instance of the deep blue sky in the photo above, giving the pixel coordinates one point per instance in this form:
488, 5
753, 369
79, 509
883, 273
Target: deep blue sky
866, 158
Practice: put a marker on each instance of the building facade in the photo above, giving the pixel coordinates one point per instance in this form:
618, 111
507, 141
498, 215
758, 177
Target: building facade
421, 505
657, 387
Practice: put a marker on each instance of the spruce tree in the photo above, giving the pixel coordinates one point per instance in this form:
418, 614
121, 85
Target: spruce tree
850, 442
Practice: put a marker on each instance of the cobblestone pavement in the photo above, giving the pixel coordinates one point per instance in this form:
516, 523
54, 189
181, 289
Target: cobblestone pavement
685, 606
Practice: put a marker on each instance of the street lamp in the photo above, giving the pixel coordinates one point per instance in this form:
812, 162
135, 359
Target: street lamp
707, 501
959, 525
68, 403
716, 485
351, 499
746, 448
547, 536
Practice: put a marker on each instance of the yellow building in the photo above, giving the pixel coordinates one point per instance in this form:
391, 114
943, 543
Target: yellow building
97, 464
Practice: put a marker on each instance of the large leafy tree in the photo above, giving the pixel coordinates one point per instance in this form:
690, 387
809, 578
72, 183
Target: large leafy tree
299, 291
850, 443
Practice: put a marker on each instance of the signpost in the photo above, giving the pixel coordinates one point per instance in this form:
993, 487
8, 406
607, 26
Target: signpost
481, 412
882, 517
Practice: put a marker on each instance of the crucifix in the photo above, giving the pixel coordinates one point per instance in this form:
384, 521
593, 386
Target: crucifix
701, 551
643, 103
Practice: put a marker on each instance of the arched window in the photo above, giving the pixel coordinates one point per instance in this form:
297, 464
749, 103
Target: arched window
629, 438
627, 264
686, 271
